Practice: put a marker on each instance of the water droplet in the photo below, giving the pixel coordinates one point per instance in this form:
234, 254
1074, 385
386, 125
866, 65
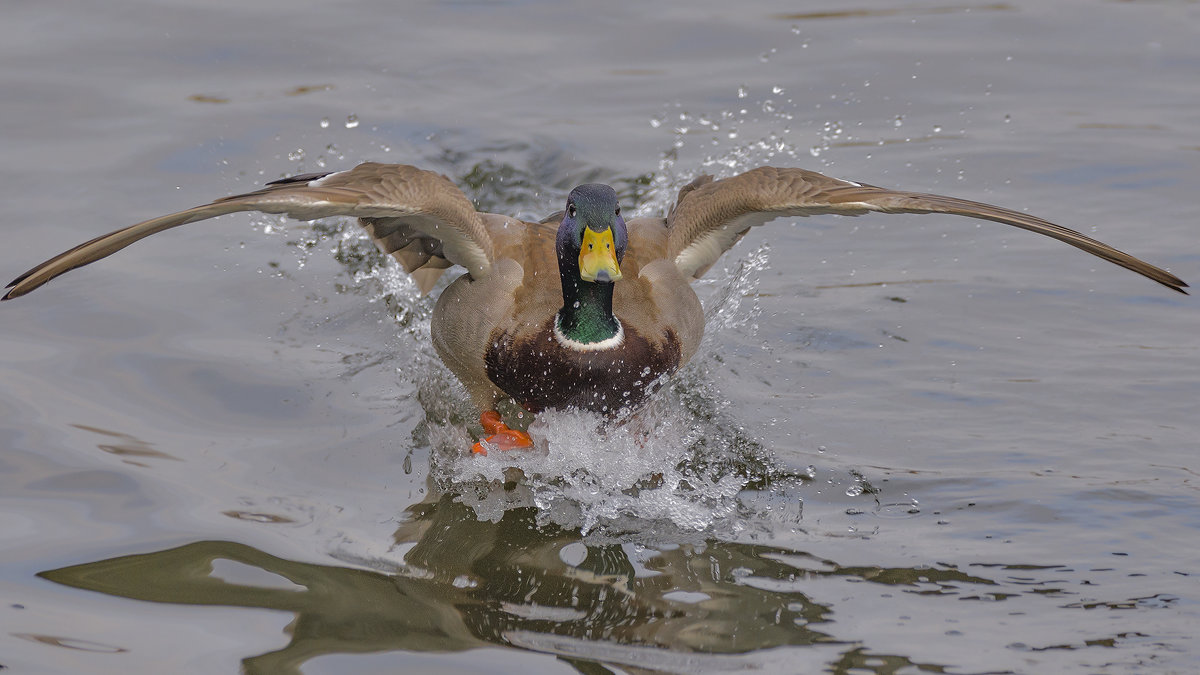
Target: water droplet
573, 554
351, 121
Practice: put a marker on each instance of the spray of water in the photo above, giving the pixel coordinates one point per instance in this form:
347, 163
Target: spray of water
681, 463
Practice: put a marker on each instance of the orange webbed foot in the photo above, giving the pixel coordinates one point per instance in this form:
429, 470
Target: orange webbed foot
500, 437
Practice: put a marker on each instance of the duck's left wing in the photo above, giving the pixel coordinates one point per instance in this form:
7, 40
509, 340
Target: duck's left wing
711, 216
418, 216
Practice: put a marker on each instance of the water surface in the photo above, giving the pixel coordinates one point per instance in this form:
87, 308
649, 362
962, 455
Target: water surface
909, 444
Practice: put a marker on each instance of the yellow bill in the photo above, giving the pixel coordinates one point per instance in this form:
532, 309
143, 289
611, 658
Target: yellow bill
598, 256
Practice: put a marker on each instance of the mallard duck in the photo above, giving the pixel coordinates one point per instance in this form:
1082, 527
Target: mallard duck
618, 314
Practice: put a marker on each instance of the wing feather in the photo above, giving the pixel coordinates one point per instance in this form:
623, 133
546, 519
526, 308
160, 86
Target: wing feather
418, 216
710, 216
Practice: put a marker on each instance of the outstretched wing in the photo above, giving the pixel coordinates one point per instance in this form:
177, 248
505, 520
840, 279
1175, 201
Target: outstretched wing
711, 216
418, 216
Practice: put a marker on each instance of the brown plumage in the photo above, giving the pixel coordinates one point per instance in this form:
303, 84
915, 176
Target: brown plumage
495, 325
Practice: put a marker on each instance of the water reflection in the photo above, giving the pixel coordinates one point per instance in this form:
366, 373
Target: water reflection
466, 583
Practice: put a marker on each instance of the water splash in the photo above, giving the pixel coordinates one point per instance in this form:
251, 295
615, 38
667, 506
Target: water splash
681, 462
585, 477
726, 139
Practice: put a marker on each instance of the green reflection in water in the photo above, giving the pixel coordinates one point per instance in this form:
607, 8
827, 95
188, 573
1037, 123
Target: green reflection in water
465, 584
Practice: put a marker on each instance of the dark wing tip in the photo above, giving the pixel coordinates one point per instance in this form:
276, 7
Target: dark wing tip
302, 178
1164, 278
12, 292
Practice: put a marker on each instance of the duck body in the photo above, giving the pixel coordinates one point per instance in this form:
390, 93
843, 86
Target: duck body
582, 310
498, 353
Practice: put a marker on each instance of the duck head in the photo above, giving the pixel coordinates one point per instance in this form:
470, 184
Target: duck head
591, 244
592, 237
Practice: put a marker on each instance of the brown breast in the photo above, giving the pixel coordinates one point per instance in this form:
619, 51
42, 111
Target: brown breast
540, 373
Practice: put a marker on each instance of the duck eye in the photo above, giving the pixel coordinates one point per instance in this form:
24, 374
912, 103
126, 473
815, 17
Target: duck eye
571, 210
618, 210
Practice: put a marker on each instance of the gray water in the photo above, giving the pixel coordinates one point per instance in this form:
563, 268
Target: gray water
909, 444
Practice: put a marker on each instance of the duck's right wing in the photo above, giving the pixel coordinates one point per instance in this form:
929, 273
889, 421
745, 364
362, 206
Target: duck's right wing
420, 217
